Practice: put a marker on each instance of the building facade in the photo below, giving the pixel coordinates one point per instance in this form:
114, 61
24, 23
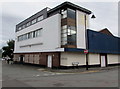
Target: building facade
58, 37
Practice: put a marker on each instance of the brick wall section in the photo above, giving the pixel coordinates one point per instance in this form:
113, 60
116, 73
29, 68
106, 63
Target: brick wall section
39, 58
106, 31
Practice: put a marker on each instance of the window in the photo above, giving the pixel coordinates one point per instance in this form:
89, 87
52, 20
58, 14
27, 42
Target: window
34, 21
64, 13
64, 35
31, 22
37, 33
68, 31
28, 24
33, 34
71, 13
23, 26
71, 35
25, 36
20, 38
64, 38
71, 30
64, 29
64, 43
29, 35
40, 18
19, 28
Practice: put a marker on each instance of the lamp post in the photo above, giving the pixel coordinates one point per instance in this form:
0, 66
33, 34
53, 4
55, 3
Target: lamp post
86, 50
86, 35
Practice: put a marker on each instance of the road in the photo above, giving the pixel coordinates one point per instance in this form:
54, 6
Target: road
18, 75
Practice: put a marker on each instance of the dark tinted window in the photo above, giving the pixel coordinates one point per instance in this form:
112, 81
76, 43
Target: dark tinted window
71, 13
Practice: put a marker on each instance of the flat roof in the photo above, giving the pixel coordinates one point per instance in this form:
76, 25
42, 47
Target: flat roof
44, 12
69, 4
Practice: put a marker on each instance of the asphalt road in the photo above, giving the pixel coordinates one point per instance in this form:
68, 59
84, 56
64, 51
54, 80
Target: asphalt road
17, 75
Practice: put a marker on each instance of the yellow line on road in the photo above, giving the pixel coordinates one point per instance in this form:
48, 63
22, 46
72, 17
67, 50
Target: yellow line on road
92, 71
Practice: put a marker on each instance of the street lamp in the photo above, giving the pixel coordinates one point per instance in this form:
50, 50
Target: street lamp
92, 17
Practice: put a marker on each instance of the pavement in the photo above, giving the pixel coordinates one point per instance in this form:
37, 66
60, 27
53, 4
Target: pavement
82, 70
18, 75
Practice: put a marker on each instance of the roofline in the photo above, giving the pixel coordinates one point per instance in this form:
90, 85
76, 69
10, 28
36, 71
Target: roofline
31, 16
106, 30
72, 5
58, 7
104, 34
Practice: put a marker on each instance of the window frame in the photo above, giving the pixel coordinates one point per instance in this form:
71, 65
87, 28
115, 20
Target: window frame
34, 21
41, 18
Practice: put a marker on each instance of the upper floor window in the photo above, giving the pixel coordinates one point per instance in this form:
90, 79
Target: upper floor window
25, 36
71, 13
23, 26
71, 30
29, 35
20, 38
28, 24
40, 18
31, 22
34, 21
64, 13
68, 29
36, 33
19, 28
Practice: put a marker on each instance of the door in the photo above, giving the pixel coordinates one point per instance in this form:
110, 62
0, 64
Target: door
21, 58
103, 61
49, 61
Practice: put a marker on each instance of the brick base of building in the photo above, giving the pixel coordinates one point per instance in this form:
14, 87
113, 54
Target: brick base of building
38, 58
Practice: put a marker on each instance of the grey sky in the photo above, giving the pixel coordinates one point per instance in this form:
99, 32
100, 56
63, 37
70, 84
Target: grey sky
14, 12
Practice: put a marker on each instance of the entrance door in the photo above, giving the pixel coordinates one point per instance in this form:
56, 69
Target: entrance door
103, 61
49, 61
21, 58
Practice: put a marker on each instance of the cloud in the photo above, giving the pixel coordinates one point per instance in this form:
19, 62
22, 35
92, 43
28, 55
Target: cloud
106, 15
3, 43
8, 26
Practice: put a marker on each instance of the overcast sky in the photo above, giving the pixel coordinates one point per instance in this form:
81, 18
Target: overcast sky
14, 12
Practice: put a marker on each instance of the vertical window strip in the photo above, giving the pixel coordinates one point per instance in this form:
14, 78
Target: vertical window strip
68, 31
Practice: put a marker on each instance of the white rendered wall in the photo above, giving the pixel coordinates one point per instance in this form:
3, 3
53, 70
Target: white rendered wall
80, 21
93, 59
50, 36
67, 58
113, 58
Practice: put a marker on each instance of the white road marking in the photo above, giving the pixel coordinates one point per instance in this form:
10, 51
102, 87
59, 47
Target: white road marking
37, 75
45, 74
53, 74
